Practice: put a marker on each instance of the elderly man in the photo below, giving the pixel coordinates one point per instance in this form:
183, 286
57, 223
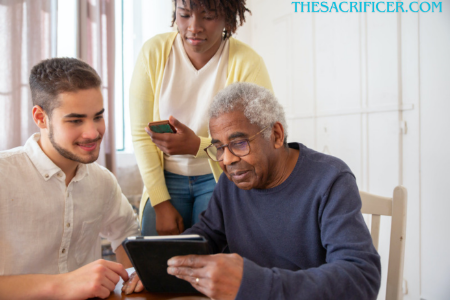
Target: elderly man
289, 215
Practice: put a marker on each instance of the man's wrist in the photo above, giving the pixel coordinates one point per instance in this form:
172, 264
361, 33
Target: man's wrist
52, 287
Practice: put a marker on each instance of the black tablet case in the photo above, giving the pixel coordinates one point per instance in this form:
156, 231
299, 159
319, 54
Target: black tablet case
149, 258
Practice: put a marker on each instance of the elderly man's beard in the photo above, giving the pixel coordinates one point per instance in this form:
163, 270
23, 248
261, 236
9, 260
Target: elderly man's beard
69, 155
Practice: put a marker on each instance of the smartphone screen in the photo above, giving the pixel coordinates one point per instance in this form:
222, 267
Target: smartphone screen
161, 127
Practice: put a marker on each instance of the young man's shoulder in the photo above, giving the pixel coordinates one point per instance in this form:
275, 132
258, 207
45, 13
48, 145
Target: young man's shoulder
98, 172
12, 160
10, 154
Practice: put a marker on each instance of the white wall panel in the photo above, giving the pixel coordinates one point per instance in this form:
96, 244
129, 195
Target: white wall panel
303, 91
300, 131
340, 136
435, 158
382, 59
337, 61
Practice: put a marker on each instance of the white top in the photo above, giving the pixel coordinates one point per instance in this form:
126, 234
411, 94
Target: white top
186, 94
48, 228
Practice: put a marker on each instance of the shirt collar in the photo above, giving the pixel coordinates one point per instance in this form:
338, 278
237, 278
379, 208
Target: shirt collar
44, 164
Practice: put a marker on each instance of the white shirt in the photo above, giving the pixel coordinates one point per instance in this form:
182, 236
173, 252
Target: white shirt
186, 94
48, 228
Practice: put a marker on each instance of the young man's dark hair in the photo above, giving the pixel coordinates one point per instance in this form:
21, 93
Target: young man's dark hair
54, 76
232, 10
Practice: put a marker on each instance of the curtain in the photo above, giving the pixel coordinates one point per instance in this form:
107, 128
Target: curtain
25, 39
96, 46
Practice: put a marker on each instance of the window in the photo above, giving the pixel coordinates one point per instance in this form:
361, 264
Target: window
136, 22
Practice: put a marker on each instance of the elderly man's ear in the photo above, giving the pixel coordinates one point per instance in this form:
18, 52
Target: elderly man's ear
278, 135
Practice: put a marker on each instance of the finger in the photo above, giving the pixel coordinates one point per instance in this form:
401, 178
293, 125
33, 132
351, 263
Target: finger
175, 123
130, 279
139, 287
112, 276
193, 261
185, 271
103, 293
201, 285
180, 225
116, 268
132, 284
105, 282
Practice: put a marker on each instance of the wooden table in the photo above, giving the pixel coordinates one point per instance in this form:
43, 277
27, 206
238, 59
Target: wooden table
117, 294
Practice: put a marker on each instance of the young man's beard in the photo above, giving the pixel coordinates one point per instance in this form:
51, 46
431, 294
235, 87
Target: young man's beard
69, 155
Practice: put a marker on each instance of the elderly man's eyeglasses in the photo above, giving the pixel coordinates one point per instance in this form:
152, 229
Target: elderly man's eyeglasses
239, 148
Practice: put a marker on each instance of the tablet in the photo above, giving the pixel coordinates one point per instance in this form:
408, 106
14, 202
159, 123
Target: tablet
149, 256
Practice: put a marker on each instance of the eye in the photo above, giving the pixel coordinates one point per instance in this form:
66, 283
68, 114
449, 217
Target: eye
219, 150
98, 118
239, 145
184, 16
75, 121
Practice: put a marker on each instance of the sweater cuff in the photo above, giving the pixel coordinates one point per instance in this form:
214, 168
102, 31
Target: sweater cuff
256, 282
204, 142
158, 195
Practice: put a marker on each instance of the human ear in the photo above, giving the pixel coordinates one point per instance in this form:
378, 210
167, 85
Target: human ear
278, 135
40, 117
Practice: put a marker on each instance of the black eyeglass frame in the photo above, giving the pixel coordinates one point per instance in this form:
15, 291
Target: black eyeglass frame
248, 140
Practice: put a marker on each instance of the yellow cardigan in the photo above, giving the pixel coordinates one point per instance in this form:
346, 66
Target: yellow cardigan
244, 65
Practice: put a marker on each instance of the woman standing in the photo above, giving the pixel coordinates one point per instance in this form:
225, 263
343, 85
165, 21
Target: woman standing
176, 76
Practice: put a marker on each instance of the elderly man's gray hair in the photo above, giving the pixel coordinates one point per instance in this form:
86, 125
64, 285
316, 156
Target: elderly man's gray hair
258, 104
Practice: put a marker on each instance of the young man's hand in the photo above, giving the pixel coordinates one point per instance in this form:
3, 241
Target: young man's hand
216, 276
168, 219
96, 279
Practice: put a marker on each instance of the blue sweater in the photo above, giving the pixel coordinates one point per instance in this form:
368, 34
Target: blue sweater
303, 239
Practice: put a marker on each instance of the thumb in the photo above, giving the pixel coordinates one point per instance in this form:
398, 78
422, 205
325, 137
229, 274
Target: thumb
180, 225
177, 124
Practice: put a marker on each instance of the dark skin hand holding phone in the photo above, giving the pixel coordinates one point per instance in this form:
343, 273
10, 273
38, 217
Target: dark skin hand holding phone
182, 141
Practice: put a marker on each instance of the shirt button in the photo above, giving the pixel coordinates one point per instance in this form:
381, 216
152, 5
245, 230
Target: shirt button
46, 175
63, 251
59, 175
68, 224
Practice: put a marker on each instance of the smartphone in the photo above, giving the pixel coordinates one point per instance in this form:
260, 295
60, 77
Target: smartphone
161, 127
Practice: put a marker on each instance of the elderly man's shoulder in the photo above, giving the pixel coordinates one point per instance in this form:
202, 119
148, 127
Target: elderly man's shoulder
322, 160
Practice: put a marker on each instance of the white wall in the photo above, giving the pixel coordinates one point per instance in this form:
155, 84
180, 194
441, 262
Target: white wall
371, 89
434, 156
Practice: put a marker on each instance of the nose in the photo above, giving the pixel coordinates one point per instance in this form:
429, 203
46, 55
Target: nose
229, 158
195, 24
91, 131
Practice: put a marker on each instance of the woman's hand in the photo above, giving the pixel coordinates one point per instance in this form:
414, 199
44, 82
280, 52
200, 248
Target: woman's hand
168, 219
184, 141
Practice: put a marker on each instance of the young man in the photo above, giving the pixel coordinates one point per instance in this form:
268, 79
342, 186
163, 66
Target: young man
55, 202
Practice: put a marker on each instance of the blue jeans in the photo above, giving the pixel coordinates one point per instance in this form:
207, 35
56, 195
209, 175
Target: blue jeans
190, 196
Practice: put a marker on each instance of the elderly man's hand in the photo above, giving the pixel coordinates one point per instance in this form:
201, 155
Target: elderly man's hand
133, 284
217, 276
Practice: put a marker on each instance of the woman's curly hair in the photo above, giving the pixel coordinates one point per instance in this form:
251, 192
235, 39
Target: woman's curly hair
233, 11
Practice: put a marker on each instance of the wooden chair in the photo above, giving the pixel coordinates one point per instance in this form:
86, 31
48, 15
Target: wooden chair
396, 208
